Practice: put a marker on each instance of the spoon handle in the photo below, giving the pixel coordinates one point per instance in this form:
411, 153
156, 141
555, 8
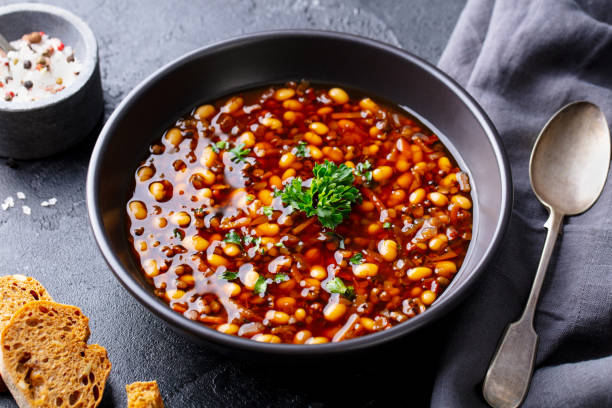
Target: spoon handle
5, 45
507, 380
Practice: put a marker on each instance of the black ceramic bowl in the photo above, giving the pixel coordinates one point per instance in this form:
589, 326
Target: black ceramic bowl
30, 130
356, 63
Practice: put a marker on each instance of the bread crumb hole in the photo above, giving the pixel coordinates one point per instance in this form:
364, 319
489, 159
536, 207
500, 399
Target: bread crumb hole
43, 309
84, 380
74, 397
25, 357
59, 401
92, 377
32, 322
96, 392
34, 294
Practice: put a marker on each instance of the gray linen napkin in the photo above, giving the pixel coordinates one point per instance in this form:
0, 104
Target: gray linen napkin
522, 60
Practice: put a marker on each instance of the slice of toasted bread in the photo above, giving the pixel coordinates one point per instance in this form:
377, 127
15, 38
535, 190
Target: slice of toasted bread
16, 291
144, 395
45, 360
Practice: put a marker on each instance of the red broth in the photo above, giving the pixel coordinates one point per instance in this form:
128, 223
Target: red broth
221, 245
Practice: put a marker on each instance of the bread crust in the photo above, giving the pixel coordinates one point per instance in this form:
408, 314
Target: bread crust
144, 395
16, 291
45, 359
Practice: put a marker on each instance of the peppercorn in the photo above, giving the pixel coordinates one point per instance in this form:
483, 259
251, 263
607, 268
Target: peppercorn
28, 84
27, 64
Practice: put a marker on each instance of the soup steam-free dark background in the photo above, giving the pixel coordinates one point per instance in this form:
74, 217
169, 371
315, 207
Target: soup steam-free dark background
55, 244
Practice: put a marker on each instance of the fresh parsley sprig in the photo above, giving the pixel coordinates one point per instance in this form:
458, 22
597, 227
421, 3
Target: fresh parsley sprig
261, 285
281, 277
229, 276
336, 285
356, 259
217, 147
302, 150
240, 153
364, 170
329, 197
268, 211
233, 237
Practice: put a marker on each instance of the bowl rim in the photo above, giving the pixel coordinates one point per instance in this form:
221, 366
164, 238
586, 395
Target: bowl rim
184, 325
89, 64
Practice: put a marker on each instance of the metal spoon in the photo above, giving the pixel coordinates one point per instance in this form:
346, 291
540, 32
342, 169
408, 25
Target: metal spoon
5, 45
568, 169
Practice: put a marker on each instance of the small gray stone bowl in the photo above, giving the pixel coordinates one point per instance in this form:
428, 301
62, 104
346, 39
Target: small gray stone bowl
31, 130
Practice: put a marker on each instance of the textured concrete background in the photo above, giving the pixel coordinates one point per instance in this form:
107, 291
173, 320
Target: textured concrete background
54, 244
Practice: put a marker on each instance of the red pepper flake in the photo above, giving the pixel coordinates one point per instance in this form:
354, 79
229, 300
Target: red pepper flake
1, 85
41, 32
61, 46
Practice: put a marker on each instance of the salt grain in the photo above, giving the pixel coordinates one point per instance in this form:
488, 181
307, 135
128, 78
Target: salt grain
21, 195
49, 202
26, 210
7, 203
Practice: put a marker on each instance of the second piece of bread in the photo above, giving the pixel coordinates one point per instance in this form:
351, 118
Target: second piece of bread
45, 359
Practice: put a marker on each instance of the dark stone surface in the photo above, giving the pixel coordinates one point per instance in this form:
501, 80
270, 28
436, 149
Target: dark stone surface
54, 244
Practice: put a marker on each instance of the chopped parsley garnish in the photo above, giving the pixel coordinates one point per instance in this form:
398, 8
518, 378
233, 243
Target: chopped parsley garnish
336, 237
364, 170
302, 150
387, 225
229, 276
219, 146
336, 285
260, 286
281, 277
280, 245
250, 198
248, 240
233, 237
356, 259
329, 197
268, 211
349, 294
178, 233
240, 153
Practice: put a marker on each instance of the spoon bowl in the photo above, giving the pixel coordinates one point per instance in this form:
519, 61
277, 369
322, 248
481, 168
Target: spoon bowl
570, 160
